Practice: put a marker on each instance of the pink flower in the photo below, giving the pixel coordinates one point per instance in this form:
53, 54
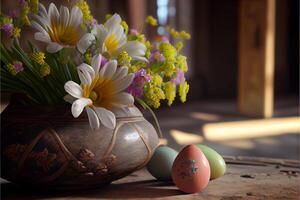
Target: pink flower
14, 14
133, 32
179, 77
164, 39
156, 56
103, 61
18, 66
8, 29
136, 88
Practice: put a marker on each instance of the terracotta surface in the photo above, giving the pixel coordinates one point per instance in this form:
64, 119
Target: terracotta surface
246, 178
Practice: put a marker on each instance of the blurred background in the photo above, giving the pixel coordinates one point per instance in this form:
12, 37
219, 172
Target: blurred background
243, 71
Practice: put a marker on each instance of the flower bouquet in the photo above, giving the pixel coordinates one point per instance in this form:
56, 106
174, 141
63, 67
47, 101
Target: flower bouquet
74, 122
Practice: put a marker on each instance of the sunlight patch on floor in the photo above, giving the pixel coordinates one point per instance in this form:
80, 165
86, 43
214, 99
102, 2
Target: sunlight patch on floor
251, 128
184, 138
205, 116
241, 144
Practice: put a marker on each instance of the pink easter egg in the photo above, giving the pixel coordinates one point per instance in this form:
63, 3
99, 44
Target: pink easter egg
191, 170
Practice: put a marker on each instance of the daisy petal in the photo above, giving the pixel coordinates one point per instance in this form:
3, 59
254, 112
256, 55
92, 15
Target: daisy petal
113, 23
109, 69
64, 15
106, 117
122, 84
120, 73
73, 89
140, 58
96, 62
100, 33
134, 48
75, 16
44, 37
86, 73
53, 47
123, 99
38, 27
85, 42
53, 13
42, 10
78, 106
93, 118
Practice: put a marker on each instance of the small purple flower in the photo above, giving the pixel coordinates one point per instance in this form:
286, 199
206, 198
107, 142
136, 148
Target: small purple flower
133, 31
156, 56
136, 88
179, 77
92, 24
14, 14
18, 66
8, 29
164, 39
103, 61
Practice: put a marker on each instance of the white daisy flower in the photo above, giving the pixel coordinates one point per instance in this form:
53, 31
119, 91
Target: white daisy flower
99, 92
112, 39
61, 29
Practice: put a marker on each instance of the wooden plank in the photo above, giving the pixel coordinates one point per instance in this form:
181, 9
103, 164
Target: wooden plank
136, 10
256, 57
241, 181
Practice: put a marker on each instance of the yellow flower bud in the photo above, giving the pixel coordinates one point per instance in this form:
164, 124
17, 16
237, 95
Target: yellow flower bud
38, 57
45, 70
16, 32
183, 90
85, 9
185, 35
151, 20
125, 26
179, 46
170, 90
124, 58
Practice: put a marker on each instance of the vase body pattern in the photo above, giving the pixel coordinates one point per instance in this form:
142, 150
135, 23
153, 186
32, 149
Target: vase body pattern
48, 147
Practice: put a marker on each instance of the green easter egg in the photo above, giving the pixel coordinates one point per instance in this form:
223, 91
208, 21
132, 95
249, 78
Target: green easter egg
160, 165
216, 162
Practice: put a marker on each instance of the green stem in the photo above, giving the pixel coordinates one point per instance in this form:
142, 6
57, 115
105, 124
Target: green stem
145, 106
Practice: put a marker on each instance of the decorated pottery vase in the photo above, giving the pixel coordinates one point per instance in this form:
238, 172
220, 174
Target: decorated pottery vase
48, 147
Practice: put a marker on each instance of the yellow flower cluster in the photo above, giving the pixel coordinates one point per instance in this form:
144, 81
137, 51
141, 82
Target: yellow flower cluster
179, 46
151, 20
45, 70
11, 69
24, 15
175, 34
87, 57
16, 32
6, 20
85, 9
34, 6
170, 90
185, 35
167, 50
181, 63
38, 57
124, 58
125, 26
168, 68
183, 90
153, 95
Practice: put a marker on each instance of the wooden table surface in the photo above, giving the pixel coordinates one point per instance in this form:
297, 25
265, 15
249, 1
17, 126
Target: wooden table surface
246, 178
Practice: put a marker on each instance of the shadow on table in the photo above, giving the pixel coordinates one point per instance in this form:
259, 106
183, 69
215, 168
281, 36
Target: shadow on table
137, 189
